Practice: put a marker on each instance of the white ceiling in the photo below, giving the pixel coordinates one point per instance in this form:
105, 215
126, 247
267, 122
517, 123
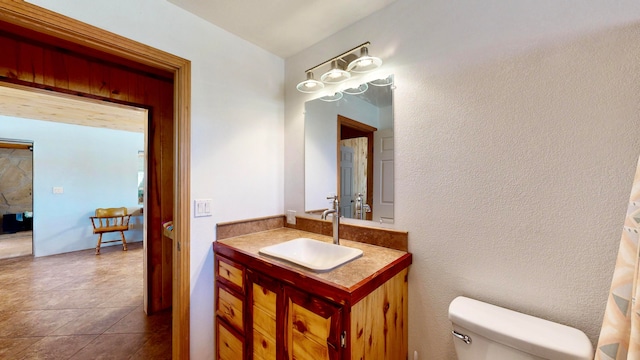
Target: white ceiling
282, 27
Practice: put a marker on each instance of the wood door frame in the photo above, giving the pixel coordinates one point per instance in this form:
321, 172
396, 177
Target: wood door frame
44, 21
365, 131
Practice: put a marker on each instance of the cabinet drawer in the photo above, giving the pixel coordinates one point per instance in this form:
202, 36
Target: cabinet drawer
229, 346
230, 272
229, 307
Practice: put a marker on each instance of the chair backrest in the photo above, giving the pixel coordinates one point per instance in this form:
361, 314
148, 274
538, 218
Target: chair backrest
106, 212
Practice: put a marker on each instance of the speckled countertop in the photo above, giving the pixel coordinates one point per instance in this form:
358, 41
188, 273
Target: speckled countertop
373, 260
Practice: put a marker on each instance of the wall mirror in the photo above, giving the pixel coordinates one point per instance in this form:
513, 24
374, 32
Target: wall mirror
349, 152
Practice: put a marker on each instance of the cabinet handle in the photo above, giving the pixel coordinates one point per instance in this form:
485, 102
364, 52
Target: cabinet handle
343, 341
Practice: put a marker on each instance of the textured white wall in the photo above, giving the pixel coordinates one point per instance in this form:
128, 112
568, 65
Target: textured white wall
236, 125
517, 135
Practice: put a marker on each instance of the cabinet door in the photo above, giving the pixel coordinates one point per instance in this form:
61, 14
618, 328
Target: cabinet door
265, 299
312, 327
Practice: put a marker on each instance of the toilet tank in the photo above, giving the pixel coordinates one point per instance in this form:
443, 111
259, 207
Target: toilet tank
500, 334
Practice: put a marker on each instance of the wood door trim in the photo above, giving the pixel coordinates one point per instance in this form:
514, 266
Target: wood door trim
50, 23
354, 124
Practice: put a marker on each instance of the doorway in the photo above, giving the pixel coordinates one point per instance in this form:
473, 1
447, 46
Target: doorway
27, 18
16, 198
355, 168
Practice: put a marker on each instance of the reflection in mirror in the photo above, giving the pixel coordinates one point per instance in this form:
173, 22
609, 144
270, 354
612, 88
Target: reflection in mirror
349, 152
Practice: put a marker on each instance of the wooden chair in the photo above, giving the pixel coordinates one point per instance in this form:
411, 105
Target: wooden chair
110, 220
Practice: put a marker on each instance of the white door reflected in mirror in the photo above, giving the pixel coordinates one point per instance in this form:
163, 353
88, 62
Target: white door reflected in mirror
360, 128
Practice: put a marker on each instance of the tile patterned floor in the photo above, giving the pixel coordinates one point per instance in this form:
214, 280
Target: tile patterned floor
79, 306
16, 244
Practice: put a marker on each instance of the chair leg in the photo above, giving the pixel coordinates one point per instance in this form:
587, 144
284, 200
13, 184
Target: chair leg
124, 241
98, 246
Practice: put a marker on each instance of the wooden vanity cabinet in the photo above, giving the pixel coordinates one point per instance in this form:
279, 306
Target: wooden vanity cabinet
282, 318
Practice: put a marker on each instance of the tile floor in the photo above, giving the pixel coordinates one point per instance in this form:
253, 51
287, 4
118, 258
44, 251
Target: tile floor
79, 306
16, 244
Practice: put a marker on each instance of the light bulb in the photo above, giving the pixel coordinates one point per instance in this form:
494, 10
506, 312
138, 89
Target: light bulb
364, 62
310, 85
334, 74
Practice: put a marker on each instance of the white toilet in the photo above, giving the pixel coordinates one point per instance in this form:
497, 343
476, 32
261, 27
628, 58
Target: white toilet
483, 331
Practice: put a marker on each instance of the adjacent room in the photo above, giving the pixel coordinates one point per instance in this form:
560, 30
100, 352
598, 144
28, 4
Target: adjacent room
16, 184
63, 171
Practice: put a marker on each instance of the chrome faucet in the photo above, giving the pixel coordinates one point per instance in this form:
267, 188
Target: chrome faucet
335, 212
361, 208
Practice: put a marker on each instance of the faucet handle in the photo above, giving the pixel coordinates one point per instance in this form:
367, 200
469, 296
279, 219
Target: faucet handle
336, 202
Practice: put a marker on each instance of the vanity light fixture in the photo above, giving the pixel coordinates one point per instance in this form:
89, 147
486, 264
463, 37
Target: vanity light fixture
364, 63
356, 90
337, 72
310, 85
382, 82
330, 98
336, 75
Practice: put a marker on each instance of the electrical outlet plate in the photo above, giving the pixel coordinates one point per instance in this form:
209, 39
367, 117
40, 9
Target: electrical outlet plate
291, 217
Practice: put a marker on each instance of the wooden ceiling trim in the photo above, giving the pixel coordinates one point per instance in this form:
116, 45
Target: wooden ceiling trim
49, 106
12, 145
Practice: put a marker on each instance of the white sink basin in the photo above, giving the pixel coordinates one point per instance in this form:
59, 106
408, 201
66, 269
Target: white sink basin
312, 254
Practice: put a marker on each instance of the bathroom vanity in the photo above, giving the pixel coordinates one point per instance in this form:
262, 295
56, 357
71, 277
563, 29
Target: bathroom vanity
268, 308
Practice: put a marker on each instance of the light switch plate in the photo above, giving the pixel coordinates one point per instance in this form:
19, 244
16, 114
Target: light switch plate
202, 207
